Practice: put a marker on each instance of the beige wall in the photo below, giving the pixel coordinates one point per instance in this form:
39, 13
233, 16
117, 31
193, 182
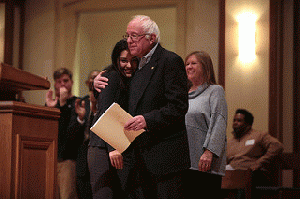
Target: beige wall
99, 31
39, 44
202, 31
199, 32
247, 85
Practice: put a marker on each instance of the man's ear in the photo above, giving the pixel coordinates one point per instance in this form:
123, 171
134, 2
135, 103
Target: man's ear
152, 38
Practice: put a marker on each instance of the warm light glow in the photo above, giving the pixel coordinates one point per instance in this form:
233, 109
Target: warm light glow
247, 37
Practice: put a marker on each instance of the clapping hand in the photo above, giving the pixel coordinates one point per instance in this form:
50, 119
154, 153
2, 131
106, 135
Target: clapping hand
50, 102
63, 95
80, 109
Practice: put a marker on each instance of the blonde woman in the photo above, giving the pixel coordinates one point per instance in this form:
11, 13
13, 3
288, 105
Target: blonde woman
206, 122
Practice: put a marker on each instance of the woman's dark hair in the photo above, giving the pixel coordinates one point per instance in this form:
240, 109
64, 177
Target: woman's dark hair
115, 55
115, 58
248, 116
119, 47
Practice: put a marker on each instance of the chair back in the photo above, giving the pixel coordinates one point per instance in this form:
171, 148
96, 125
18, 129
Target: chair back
290, 161
238, 179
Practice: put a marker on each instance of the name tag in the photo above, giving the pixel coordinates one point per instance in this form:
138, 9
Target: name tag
249, 142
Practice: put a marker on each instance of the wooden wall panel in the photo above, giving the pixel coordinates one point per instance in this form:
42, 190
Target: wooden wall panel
29, 147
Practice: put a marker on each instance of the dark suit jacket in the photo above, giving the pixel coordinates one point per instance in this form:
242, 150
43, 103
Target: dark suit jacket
159, 92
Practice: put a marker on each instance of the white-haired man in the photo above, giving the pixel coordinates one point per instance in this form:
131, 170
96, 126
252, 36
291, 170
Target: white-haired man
158, 100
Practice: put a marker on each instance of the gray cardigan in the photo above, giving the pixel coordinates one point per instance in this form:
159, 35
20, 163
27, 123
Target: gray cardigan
206, 122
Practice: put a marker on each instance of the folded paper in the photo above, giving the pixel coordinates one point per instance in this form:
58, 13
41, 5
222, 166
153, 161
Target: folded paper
110, 128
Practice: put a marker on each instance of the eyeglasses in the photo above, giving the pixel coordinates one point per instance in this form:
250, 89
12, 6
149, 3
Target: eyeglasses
134, 37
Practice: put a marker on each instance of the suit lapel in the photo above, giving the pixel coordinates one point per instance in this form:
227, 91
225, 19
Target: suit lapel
142, 79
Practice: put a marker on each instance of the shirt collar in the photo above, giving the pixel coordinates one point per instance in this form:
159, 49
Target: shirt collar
145, 59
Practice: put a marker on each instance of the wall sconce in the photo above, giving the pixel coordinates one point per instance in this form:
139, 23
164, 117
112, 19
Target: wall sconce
246, 37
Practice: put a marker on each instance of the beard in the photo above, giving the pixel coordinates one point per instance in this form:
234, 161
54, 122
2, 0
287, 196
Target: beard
240, 131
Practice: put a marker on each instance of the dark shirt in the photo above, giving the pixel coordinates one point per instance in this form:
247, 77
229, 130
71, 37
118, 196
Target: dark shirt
70, 131
115, 91
88, 119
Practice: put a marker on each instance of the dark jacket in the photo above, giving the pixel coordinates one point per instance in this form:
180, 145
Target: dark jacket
70, 131
115, 91
159, 92
81, 163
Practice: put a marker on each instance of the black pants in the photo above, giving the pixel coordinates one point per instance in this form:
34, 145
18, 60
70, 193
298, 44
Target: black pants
261, 178
84, 190
104, 179
138, 183
199, 184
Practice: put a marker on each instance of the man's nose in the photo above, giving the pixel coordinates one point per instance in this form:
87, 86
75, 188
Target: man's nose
129, 40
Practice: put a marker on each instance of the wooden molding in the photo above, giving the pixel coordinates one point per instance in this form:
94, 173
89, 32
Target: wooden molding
222, 22
276, 69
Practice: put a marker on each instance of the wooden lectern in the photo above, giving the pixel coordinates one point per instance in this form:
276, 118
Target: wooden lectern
28, 139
